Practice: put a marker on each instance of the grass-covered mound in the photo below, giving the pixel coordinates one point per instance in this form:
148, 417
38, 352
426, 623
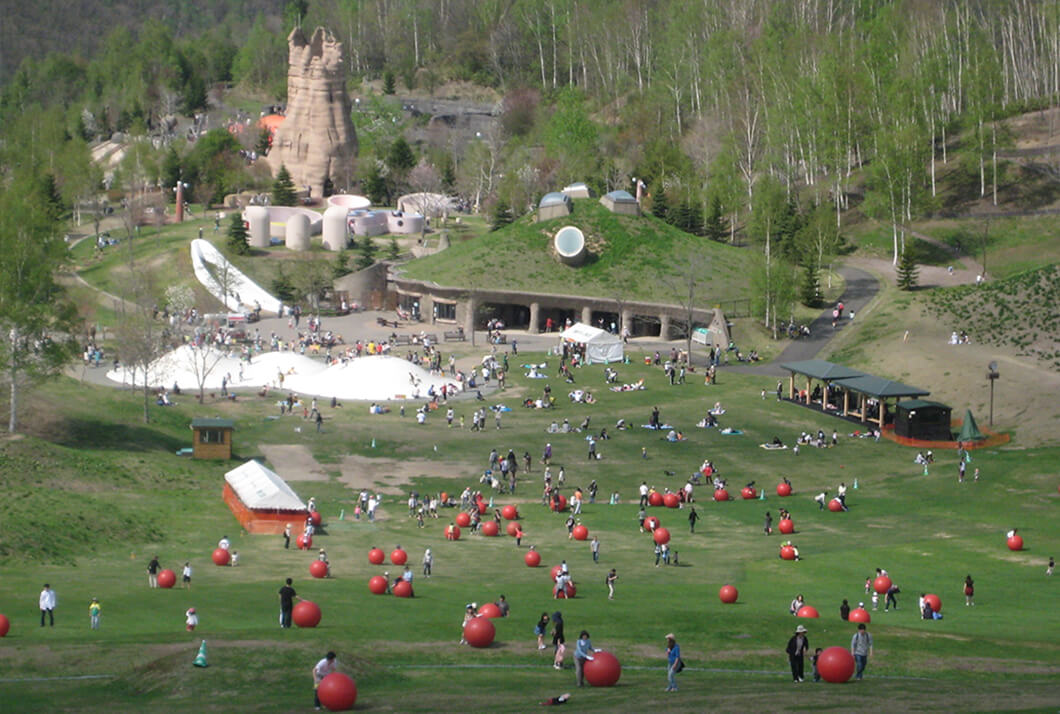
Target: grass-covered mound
630, 257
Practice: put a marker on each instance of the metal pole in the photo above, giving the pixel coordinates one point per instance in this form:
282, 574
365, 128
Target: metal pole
991, 400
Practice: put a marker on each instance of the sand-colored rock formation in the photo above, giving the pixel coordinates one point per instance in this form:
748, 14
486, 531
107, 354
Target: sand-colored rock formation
317, 139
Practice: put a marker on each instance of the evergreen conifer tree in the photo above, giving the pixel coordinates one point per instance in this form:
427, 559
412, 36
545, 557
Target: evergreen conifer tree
283, 193
388, 82
659, 205
907, 270
502, 215
367, 251
392, 251
237, 235
809, 287
716, 227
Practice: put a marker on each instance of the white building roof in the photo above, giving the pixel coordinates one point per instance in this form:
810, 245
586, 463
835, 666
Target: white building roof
259, 487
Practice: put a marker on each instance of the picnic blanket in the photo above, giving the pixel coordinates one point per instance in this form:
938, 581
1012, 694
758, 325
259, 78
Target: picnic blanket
772, 447
656, 428
635, 386
731, 432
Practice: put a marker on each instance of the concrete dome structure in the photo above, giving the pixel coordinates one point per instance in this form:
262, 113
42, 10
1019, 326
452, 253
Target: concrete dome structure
554, 205
368, 223
576, 190
335, 228
621, 202
401, 222
279, 215
350, 201
569, 244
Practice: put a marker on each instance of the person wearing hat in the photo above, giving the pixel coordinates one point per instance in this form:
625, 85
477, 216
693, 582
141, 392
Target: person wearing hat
797, 648
190, 619
673, 662
469, 615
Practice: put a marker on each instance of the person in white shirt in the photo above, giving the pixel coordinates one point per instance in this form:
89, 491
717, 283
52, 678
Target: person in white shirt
322, 669
47, 605
224, 543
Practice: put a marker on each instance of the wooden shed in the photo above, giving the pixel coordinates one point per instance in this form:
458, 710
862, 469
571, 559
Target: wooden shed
212, 438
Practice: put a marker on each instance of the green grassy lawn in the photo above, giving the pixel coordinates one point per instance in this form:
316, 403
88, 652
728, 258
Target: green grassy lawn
95, 493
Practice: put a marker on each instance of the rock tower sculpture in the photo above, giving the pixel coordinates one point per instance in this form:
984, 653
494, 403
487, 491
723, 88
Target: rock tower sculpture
317, 139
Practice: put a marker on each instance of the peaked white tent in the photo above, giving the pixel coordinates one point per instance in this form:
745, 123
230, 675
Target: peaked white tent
600, 345
261, 501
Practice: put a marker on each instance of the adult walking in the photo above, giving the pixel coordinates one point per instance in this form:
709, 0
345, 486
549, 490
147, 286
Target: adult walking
47, 605
610, 581
797, 648
287, 598
861, 648
673, 662
692, 518
594, 546
152, 572
559, 642
428, 561
322, 669
583, 652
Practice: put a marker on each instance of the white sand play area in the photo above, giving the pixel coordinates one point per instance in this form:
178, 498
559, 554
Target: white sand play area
243, 292
376, 378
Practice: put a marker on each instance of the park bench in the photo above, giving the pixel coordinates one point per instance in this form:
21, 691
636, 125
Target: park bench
454, 336
401, 340
383, 322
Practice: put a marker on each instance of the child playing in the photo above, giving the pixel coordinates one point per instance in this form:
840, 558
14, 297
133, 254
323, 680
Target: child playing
93, 614
190, 619
875, 600
813, 660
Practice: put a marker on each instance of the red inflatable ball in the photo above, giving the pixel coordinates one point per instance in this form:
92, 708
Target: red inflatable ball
303, 542
881, 584
661, 536
555, 572
479, 632
5, 625
728, 594
377, 585
859, 614
376, 556
221, 556
167, 579
787, 552
482, 508
786, 526
403, 588
337, 692
721, 495
807, 611
747, 493
316, 518
568, 592
509, 513
455, 535
398, 556
934, 601
1015, 542
603, 670
580, 532
490, 610
532, 559
561, 506
835, 505
463, 519
671, 500
651, 523
655, 499
318, 569
490, 528
306, 614
836, 665
783, 489
512, 528
444, 497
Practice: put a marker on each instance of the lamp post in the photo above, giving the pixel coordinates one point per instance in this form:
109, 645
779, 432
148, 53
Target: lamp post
992, 375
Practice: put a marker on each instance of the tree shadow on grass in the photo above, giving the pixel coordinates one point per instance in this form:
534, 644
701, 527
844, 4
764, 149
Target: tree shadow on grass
86, 433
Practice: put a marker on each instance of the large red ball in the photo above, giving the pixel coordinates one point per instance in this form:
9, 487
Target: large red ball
402, 588
512, 528
836, 665
835, 505
651, 523
398, 556
318, 569
783, 489
580, 532
561, 506
787, 552
747, 493
456, 533
482, 508
807, 611
721, 495
1015, 542
489, 610
303, 542
490, 528
661, 536
463, 519
935, 601
655, 499
167, 579
728, 594
859, 614
786, 526
532, 559
337, 692
509, 513
603, 670
306, 614
316, 518
555, 572
568, 592
376, 556
221, 556
671, 500
377, 584
881, 584
479, 632
5, 625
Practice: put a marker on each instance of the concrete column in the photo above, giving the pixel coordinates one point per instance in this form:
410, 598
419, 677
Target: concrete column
587, 315
664, 327
534, 327
627, 321
469, 316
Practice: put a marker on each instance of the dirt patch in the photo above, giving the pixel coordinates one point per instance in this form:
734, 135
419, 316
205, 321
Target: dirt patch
293, 462
389, 475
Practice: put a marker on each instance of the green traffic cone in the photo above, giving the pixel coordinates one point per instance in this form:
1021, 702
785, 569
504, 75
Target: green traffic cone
925, 470
342, 514
855, 484
762, 495
200, 659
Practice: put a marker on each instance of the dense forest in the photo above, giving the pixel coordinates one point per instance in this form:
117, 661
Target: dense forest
768, 116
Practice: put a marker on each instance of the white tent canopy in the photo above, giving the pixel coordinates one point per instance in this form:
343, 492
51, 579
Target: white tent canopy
600, 345
258, 487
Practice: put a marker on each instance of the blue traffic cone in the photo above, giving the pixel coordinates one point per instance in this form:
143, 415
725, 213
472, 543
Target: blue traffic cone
855, 484
200, 659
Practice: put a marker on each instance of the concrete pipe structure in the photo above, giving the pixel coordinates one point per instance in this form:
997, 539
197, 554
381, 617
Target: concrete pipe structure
569, 244
258, 218
335, 228
402, 222
297, 232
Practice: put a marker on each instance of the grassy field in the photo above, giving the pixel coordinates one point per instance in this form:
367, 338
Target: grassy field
92, 493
